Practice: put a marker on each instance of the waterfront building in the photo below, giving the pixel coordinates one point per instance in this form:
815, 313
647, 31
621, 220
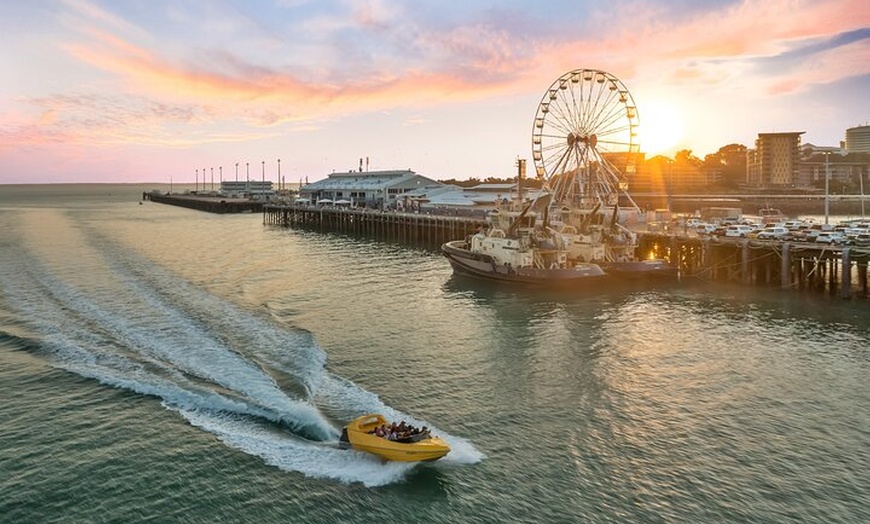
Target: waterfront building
810, 149
850, 171
858, 139
256, 189
775, 161
663, 175
377, 189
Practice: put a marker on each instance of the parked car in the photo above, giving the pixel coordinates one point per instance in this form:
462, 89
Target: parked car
705, 229
719, 231
796, 235
738, 230
861, 239
773, 233
815, 229
830, 237
853, 232
795, 224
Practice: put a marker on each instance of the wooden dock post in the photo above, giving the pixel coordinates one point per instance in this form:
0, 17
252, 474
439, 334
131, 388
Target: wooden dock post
862, 278
785, 267
846, 273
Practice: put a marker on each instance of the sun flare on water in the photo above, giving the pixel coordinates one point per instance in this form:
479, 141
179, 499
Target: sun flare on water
661, 128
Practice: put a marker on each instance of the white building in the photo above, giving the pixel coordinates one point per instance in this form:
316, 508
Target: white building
858, 139
256, 189
378, 189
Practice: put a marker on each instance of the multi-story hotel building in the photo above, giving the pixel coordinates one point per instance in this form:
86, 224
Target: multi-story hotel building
775, 161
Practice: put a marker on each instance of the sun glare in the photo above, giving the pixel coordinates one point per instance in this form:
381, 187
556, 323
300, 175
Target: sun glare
661, 128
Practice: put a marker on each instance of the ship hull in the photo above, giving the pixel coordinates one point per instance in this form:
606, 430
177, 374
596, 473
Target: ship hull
481, 265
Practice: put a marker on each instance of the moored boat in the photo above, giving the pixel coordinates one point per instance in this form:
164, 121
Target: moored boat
360, 434
771, 215
652, 269
515, 249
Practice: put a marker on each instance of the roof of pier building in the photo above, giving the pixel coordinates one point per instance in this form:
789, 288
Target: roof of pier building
370, 181
494, 188
483, 195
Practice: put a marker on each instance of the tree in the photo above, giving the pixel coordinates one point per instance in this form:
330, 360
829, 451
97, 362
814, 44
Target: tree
685, 158
731, 159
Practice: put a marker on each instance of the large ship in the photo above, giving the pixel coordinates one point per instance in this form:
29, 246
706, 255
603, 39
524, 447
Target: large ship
516, 248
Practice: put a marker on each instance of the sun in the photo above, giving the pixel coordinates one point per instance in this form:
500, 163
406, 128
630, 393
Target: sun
661, 128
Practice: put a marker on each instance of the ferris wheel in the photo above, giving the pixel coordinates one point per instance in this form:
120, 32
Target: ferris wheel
584, 139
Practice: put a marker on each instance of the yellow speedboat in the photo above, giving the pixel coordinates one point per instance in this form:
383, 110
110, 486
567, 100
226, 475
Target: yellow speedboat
359, 434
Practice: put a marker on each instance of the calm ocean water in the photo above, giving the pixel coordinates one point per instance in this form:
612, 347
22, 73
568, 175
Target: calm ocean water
161, 364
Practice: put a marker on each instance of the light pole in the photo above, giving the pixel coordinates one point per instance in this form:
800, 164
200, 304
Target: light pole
196, 182
212, 179
279, 173
263, 187
237, 171
861, 185
827, 188
247, 180
221, 173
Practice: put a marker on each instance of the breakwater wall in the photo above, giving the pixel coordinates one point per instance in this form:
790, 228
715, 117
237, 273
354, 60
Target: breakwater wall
818, 268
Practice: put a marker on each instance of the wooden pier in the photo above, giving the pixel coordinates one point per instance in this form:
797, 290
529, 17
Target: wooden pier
206, 203
836, 270
407, 228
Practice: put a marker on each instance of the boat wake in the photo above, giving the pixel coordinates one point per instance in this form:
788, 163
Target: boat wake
124, 321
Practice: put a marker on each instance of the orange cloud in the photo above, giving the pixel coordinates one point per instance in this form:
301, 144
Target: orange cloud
267, 97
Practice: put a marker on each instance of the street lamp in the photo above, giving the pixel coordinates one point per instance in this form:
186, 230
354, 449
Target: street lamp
237, 171
247, 179
279, 173
827, 182
196, 182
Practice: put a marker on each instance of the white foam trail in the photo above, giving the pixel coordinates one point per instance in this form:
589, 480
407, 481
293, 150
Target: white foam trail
161, 336
290, 454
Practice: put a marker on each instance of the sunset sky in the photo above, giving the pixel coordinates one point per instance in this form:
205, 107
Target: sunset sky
145, 90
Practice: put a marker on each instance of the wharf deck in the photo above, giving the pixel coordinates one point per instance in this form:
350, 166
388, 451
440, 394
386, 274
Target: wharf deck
208, 203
